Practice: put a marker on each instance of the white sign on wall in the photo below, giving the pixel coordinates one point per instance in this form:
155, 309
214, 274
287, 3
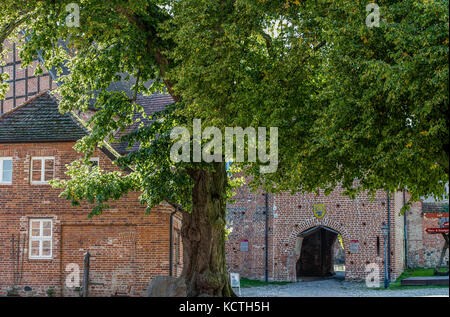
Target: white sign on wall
235, 281
354, 246
244, 245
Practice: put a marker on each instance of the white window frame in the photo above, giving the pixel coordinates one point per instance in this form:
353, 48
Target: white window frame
2, 159
95, 159
40, 238
42, 159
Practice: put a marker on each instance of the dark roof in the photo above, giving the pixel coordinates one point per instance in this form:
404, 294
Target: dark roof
39, 120
151, 104
123, 85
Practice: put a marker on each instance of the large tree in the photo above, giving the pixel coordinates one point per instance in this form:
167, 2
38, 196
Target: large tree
383, 101
351, 102
358, 104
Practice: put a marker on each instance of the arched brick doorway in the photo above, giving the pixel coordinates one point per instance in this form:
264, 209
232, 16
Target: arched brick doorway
319, 249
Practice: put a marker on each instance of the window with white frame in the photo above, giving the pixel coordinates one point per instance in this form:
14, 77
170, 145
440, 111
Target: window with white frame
40, 239
42, 169
94, 162
5, 170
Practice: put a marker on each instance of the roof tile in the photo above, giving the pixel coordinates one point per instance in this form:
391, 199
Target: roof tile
39, 120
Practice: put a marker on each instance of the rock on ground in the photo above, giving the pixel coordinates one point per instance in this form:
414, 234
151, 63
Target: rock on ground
166, 286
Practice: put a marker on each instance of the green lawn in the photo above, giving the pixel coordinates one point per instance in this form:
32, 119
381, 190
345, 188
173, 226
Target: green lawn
411, 273
246, 283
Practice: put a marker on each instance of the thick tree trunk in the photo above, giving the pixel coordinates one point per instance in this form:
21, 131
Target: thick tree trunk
203, 233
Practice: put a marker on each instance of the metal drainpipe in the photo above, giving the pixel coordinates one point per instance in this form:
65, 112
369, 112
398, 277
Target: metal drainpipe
405, 230
266, 273
171, 243
86, 282
389, 234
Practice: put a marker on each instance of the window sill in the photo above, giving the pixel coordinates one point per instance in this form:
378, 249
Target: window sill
40, 258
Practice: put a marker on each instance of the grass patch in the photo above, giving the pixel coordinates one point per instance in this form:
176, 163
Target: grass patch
246, 283
413, 273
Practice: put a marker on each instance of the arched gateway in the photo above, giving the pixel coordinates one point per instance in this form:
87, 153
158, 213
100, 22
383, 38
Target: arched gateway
318, 252
288, 236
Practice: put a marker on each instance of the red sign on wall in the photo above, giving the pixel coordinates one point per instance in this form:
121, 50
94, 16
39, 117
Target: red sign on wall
436, 230
436, 215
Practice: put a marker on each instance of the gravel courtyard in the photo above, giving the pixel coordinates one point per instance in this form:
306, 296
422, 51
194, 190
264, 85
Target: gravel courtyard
336, 288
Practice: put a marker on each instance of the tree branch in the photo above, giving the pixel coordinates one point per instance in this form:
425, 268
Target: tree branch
7, 29
268, 40
160, 59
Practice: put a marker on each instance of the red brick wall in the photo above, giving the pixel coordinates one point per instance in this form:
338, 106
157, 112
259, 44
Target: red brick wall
424, 249
128, 247
289, 215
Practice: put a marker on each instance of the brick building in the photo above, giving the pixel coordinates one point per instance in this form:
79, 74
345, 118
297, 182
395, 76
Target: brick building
42, 237
283, 237
305, 235
424, 249
41, 234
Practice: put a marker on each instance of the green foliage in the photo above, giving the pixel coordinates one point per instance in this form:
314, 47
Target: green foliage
341, 242
50, 292
113, 39
246, 283
351, 102
13, 292
384, 99
366, 104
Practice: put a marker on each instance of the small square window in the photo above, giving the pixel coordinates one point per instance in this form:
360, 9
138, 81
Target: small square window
42, 169
5, 170
94, 161
40, 238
